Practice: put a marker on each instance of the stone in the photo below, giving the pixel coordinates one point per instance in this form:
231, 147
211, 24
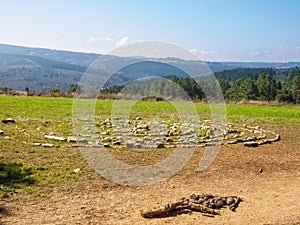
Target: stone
77, 170
229, 201
116, 142
251, 144
8, 120
217, 198
56, 138
58, 216
130, 144
97, 142
232, 142
137, 145
143, 126
47, 145
160, 145
219, 204
72, 139
36, 144
169, 140
106, 139
248, 139
147, 138
83, 141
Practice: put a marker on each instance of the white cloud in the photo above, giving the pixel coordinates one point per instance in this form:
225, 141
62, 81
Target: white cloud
208, 52
123, 41
193, 50
254, 53
93, 40
108, 39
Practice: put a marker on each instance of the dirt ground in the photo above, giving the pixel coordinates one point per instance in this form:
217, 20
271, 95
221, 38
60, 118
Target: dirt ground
270, 197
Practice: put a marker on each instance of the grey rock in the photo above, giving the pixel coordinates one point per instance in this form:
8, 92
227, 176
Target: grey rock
200, 200
229, 201
106, 139
56, 138
72, 139
137, 145
217, 198
160, 145
130, 144
219, 204
8, 120
47, 145
36, 144
251, 144
83, 141
169, 140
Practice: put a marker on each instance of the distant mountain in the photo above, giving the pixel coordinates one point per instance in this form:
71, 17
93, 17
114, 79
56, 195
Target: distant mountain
277, 65
41, 69
76, 58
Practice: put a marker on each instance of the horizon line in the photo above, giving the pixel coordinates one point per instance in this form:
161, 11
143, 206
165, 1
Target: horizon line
90, 52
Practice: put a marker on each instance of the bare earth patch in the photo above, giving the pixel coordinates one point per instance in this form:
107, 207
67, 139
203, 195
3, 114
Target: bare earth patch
267, 178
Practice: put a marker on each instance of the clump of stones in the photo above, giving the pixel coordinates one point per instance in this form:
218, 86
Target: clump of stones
143, 134
207, 204
140, 133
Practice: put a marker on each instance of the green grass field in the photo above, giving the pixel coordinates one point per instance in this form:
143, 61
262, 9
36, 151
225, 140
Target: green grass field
35, 170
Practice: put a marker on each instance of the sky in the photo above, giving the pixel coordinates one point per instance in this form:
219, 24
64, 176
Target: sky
214, 30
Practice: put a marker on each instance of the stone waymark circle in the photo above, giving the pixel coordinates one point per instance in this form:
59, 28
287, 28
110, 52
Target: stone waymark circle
98, 75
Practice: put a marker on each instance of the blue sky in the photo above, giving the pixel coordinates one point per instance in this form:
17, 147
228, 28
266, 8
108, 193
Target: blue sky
215, 30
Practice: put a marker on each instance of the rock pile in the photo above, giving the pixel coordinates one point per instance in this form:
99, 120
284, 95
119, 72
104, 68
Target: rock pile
207, 204
258, 136
141, 133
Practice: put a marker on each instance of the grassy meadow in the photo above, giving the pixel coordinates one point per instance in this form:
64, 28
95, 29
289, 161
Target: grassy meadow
35, 170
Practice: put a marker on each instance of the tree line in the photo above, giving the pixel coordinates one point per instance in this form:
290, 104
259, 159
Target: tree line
268, 85
265, 84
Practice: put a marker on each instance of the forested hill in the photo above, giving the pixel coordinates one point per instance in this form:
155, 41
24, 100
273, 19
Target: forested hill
265, 87
281, 74
41, 69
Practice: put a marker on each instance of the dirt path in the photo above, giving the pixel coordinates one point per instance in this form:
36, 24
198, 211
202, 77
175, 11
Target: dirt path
270, 197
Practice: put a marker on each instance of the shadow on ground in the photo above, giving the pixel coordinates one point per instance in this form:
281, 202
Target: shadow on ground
13, 176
